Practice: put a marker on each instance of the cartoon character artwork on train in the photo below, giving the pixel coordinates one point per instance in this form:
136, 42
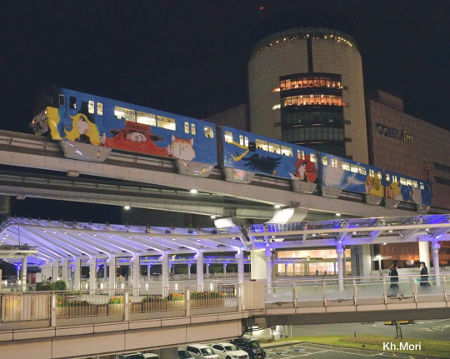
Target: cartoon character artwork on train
135, 137
255, 161
305, 169
373, 186
82, 130
181, 148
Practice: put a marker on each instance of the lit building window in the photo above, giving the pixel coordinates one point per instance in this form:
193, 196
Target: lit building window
123, 113
91, 106
314, 100
186, 127
166, 122
146, 118
209, 132
276, 107
99, 108
228, 136
193, 131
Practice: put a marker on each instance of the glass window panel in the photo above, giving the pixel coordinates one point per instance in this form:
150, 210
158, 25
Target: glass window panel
246, 141
193, 129
228, 136
61, 99
312, 157
166, 122
287, 151
324, 161
146, 118
362, 170
345, 166
186, 127
99, 108
123, 113
209, 132
241, 140
354, 168
73, 102
261, 145
91, 106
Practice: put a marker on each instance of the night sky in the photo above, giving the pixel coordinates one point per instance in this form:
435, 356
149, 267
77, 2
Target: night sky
190, 57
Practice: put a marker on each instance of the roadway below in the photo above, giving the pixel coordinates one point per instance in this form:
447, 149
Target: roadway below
438, 329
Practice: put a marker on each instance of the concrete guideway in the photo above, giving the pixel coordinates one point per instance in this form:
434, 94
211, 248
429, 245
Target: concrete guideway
27, 151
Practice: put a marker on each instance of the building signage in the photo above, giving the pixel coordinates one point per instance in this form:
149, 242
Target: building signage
392, 132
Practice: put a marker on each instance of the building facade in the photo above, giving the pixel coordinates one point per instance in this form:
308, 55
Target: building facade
306, 87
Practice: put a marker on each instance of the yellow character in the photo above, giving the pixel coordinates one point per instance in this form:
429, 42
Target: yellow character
82, 128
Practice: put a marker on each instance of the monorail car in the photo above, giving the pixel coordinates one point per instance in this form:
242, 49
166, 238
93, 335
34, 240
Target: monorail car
338, 174
400, 188
81, 120
243, 154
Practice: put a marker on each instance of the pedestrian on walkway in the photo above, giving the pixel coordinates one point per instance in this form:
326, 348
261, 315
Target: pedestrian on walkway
393, 275
424, 275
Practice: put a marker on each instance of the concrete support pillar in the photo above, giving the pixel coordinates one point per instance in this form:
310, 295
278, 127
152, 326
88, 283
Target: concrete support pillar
240, 266
224, 269
269, 265
112, 275
424, 252
93, 275
23, 277
55, 271
361, 261
258, 264
340, 265
437, 271
65, 272
189, 270
200, 284
165, 274
149, 267
77, 274
168, 353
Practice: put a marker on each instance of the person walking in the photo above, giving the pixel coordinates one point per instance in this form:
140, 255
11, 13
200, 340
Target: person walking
393, 275
424, 275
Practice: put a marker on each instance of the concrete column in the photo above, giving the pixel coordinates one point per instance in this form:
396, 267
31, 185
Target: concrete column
77, 274
93, 275
361, 261
240, 266
437, 271
165, 274
65, 272
200, 284
258, 264
424, 252
224, 269
149, 267
23, 277
55, 271
340, 264
112, 274
269, 264
189, 270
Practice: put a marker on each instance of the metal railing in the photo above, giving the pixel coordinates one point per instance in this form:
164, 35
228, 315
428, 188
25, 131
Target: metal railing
359, 291
117, 304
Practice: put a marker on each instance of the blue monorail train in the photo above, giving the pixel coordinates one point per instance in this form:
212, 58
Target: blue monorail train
89, 127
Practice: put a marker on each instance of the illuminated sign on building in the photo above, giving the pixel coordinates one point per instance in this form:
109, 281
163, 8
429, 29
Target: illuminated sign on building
394, 133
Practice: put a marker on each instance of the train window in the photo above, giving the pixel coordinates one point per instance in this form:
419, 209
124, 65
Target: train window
334, 163
303, 155
209, 132
388, 178
241, 140
123, 113
345, 166
380, 175
73, 102
61, 100
146, 118
261, 145
325, 161
422, 185
312, 157
414, 184
246, 141
371, 173
287, 151
186, 127
362, 170
91, 106
354, 168
228, 136
403, 181
394, 179
100, 108
273, 147
166, 122
193, 130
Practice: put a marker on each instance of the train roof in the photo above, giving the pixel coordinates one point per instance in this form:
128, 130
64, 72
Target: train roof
405, 176
344, 159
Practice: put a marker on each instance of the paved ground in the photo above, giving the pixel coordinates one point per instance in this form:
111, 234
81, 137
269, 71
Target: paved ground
422, 329
306, 350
